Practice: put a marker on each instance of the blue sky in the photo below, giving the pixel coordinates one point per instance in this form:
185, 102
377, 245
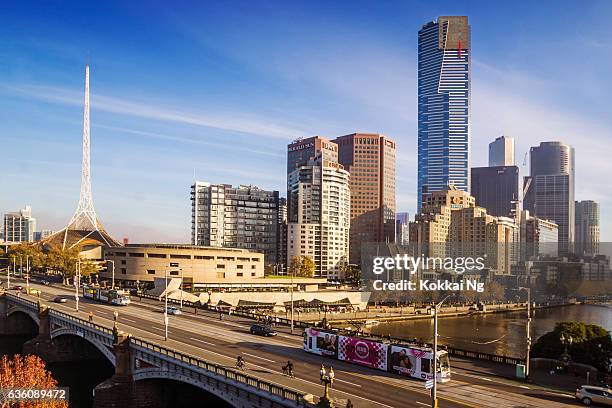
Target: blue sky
220, 90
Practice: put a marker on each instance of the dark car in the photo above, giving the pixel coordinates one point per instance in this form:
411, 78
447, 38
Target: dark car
262, 330
17, 287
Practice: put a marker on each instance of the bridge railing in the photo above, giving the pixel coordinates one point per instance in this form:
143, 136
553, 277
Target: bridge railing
261, 385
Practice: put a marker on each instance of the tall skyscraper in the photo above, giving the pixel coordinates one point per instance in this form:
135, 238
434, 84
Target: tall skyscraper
501, 152
587, 227
282, 237
370, 160
444, 105
496, 189
318, 212
244, 217
19, 226
550, 189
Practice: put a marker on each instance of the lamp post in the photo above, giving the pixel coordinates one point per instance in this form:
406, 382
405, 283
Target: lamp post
77, 279
181, 288
8, 277
434, 390
528, 331
166, 307
115, 317
327, 378
28, 273
113, 274
291, 283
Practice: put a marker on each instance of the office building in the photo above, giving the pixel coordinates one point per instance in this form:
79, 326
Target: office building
244, 217
370, 160
501, 152
300, 151
318, 199
401, 228
549, 189
444, 59
282, 263
538, 237
451, 225
496, 189
587, 228
19, 226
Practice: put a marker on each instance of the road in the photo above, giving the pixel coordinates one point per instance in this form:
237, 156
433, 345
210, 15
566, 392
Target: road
205, 336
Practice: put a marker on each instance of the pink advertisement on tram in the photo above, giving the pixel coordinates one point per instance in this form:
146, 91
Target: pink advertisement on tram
364, 352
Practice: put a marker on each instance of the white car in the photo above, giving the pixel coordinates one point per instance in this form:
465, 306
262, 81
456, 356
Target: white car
171, 310
589, 394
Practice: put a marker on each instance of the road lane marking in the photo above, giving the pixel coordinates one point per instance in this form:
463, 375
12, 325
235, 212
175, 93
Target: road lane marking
422, 403
348, 382
261, 358
128, 320
203, 341
525, 387
486, 379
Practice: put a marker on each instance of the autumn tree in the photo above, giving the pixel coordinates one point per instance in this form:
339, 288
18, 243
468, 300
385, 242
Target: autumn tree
28, 372
307, 267
294, 266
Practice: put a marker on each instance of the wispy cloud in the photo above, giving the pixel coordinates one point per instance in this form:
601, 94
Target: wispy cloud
234, 122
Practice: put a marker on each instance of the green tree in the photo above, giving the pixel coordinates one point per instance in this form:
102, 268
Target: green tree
591, 344
494, 292
307, 267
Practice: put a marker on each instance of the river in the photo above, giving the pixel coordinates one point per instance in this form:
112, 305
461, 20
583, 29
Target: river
496, 333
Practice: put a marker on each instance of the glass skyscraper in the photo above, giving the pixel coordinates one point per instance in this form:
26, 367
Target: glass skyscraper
443, 105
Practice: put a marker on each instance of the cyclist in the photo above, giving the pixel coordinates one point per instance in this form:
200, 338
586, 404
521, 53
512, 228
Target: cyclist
288, 368
240, 362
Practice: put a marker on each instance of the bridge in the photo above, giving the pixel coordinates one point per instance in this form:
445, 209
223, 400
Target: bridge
137, 359
201, 349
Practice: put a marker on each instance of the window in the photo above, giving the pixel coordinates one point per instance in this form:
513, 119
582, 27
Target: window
174, 264
220, 274
156, 255
174, 273
220, 266
252, 273
137, 254
177, 256
203, 257
425, 365
119, 253
123, 271
253, 266
239, 266
151, 271
123, 262
239, 274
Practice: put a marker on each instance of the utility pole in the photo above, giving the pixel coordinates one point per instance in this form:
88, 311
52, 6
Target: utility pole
28, 273
434, 390
291, 283
113, 276
166, 307
181, 288
77, 278
528, 331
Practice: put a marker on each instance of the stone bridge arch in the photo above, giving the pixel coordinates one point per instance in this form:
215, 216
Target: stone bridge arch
215, 389
110, 356
18, 309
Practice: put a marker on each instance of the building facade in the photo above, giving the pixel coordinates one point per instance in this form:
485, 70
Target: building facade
496, 189
451, 225
402, 236
549, 189
444, 60
318, 198
370, 160
244, 217
195, 264
538, 237
587, 228
501, 152
19, 226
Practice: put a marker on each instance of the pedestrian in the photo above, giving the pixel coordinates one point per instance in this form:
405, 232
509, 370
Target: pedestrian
90, 317
349, 404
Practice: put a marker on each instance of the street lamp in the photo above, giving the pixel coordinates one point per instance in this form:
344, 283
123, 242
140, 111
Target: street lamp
28, 272
291, 283
528, 330
327, 378
113, 278
434, 390
77, 278
166, 307
115, 317
181, 288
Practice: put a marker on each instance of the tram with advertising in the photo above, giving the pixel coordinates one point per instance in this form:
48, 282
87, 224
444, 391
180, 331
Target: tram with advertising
404, 359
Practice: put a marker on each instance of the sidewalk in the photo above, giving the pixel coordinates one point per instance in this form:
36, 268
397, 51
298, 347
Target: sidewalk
539, 377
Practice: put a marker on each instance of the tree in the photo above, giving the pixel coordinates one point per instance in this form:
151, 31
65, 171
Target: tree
591, 344
494, 292
28, 372
307, 267
295, 265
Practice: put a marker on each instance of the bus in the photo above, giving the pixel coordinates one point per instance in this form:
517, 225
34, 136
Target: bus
112, 296
395, 357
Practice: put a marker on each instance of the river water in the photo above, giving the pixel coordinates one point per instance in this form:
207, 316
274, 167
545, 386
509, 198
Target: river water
498, 333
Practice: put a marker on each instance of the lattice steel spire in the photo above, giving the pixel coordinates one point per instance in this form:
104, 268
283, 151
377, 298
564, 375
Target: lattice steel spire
85, 217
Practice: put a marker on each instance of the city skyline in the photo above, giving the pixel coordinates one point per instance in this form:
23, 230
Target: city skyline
42, 105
